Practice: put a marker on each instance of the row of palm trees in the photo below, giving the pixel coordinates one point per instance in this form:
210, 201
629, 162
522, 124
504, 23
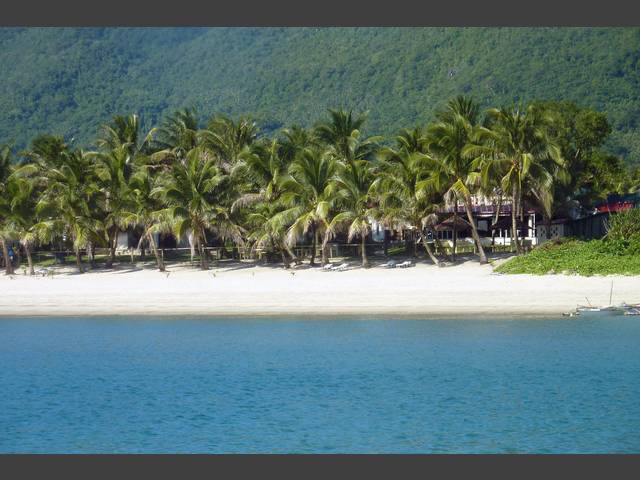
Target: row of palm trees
226, 182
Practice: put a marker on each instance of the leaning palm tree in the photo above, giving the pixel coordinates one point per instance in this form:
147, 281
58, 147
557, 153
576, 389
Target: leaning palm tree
448, 137
194, 192
516, 148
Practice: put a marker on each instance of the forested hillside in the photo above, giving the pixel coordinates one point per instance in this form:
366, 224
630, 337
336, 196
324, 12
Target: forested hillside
69, 81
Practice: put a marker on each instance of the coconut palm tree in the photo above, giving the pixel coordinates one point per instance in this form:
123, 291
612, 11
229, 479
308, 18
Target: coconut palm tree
342, 132
515, 148
339, 130
69, 203
293, 140
121, 146
228, 139
5, 204
356, 203
125, 132
176, 136
307, 194
20, 218
114, 168
194, 192
145, 210
400, 189
448, 137
264, 174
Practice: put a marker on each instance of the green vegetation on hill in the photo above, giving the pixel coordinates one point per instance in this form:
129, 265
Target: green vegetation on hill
69, 81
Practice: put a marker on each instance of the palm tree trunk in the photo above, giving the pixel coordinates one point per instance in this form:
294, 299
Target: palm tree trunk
8, 266
440, 247
79, 260
496, 217
548, 224
386, 242
455, 229
283, 251
365, 260
514, 220
205, 255
313, 246
18, 258
474, 231
113, 240
91, 253
291, 253
325, 242
427, 248
204, 264
27, 251
154, 248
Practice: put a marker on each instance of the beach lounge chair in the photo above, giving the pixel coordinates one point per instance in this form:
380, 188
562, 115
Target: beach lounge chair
340, 267
389, 264
405, 264
43, 272
327, 267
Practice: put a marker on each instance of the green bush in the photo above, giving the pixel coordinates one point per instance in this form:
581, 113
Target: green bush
575, 257
624, 226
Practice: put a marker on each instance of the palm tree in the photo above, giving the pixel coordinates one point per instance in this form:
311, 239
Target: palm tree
69, 203
516, 149
176, 136
401, 191
5, 204
120, 147
114, 169
194, 192
307, 192
228, 139
264, 173
448, 138
342, 133
146, 211
20, 218
293, 140
355, 202
125, 132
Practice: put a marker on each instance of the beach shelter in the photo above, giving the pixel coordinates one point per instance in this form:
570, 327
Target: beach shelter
454, 223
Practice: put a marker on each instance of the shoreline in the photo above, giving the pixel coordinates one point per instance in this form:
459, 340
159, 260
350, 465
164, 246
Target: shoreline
246, 290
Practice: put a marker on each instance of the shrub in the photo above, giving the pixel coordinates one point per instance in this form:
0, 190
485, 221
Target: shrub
624, 226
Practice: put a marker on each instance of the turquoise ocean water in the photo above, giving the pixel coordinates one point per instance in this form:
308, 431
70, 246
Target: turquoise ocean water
117, 384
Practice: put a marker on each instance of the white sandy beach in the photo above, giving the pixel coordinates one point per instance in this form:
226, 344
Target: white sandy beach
244, 289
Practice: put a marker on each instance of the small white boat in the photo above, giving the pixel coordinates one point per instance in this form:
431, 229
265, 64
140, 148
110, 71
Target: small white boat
633, 312
582, 308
